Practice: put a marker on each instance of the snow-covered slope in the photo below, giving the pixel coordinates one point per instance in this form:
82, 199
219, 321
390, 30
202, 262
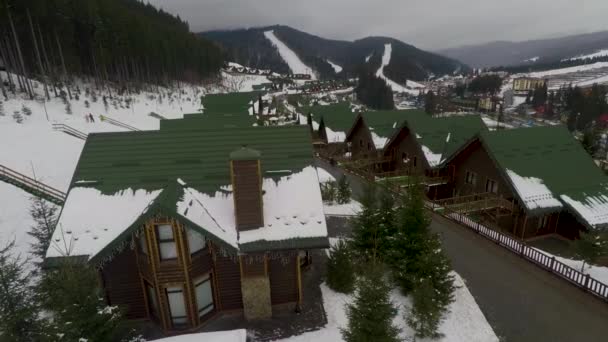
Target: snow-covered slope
386, 60
600, 53
293, 61
336, 67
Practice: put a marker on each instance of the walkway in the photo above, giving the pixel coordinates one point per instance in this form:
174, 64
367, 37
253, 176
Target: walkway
521, 302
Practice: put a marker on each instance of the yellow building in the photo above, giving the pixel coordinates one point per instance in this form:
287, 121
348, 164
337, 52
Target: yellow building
527, 83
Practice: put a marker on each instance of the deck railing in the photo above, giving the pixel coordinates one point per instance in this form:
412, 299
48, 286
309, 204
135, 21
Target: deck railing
31, 185
70, 131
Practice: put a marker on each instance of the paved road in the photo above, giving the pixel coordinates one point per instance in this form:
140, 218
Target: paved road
521, 302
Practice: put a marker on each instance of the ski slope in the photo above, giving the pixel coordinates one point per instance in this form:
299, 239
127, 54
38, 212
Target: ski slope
293, 61
337, 68
386, 60
600, 53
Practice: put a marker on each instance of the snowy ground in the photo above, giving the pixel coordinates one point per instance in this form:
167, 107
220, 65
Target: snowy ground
386, 60
349, 209
464, 322
293, 61
600, 53
600, 273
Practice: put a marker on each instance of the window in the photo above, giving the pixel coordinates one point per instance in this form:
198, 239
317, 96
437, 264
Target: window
404, 158
152, 301
177, 305
471, 178
166, 242
491, 186
143, 244
204, 295
196, 241
415, 161
543, 222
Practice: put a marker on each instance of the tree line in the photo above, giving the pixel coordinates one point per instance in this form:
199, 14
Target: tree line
121, 41
373, 91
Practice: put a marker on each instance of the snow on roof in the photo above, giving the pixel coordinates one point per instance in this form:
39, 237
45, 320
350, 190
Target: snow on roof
239, 335
434, 159
325, 176
594, 209
533, 192
82, 231
379, 141
293, 208
334, 136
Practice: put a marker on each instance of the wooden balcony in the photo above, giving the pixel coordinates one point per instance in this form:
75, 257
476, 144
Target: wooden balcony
476, 203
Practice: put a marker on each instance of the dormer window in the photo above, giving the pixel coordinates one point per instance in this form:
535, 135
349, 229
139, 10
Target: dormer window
166, 242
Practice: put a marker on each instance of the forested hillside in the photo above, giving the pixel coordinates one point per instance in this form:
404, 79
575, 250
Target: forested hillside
122, 41
249, 47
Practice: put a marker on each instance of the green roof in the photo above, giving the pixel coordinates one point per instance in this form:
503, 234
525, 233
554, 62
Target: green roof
153, 159
433, 132
245, 153
386, 123
338, 117
229, 103
215, 120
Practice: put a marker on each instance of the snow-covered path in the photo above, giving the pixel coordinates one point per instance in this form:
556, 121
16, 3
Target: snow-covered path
386, 60
293, 61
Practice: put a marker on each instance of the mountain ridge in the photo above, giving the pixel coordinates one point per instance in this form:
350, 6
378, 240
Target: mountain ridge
249, 47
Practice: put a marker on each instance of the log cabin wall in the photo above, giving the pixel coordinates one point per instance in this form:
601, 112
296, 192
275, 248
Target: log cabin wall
406, 148
122, 284
228, 279
362, 144
283, 279
476, 159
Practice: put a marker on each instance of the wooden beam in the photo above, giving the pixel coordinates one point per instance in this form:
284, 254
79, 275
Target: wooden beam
523, 232
299, 276
184, 255
155, 264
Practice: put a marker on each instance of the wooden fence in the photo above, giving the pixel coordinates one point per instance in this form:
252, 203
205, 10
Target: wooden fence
542, 260
550, 264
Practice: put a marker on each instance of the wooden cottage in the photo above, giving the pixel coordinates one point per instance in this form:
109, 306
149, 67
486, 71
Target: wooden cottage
422, 144
184, 224
541, 180
331, 122
371, 131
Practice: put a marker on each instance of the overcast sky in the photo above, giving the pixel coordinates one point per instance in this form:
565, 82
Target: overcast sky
428, 24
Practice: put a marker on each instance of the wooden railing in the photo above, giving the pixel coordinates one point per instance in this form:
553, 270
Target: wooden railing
31, 185
118, 123
542, 260
70, 131
550, 264
476, 202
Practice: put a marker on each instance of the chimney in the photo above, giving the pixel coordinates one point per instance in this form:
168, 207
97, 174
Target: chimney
245, 171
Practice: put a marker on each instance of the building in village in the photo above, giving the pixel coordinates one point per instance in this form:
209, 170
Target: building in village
545, 181
371, 131
187, 223
421, 145
330, 123
525, 84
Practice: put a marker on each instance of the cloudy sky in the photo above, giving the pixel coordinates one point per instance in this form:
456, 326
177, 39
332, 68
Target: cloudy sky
429, 24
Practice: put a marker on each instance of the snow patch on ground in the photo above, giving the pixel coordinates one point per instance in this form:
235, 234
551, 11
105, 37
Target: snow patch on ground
533, 59
534, 193
324, 176
242, 82
491, 123
337, 68
293, 61
600, 53
349, 209
464, 322
216, 336
15, 219
599, 273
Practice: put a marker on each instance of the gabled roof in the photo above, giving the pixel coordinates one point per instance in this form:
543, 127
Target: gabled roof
209, 121
549, 169
337, 117
385, 123
124, 178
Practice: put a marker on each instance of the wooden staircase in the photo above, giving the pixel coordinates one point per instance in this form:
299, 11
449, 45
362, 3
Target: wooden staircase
70, 131
32, 186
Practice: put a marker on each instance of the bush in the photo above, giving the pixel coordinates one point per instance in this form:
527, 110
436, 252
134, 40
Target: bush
340, 271
26, 110
344, 192
329, 191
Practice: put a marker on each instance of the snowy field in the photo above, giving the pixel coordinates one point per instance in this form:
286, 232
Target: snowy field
464, 322
293, 61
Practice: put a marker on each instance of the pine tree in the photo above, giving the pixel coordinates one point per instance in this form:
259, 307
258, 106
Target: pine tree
18, 117
370, 316
430, 103
365, 240
2, 108
340, 270
344, 192
19, 310
26, 110
423, 317
44, 215
329, 191
590, 247
72, 293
